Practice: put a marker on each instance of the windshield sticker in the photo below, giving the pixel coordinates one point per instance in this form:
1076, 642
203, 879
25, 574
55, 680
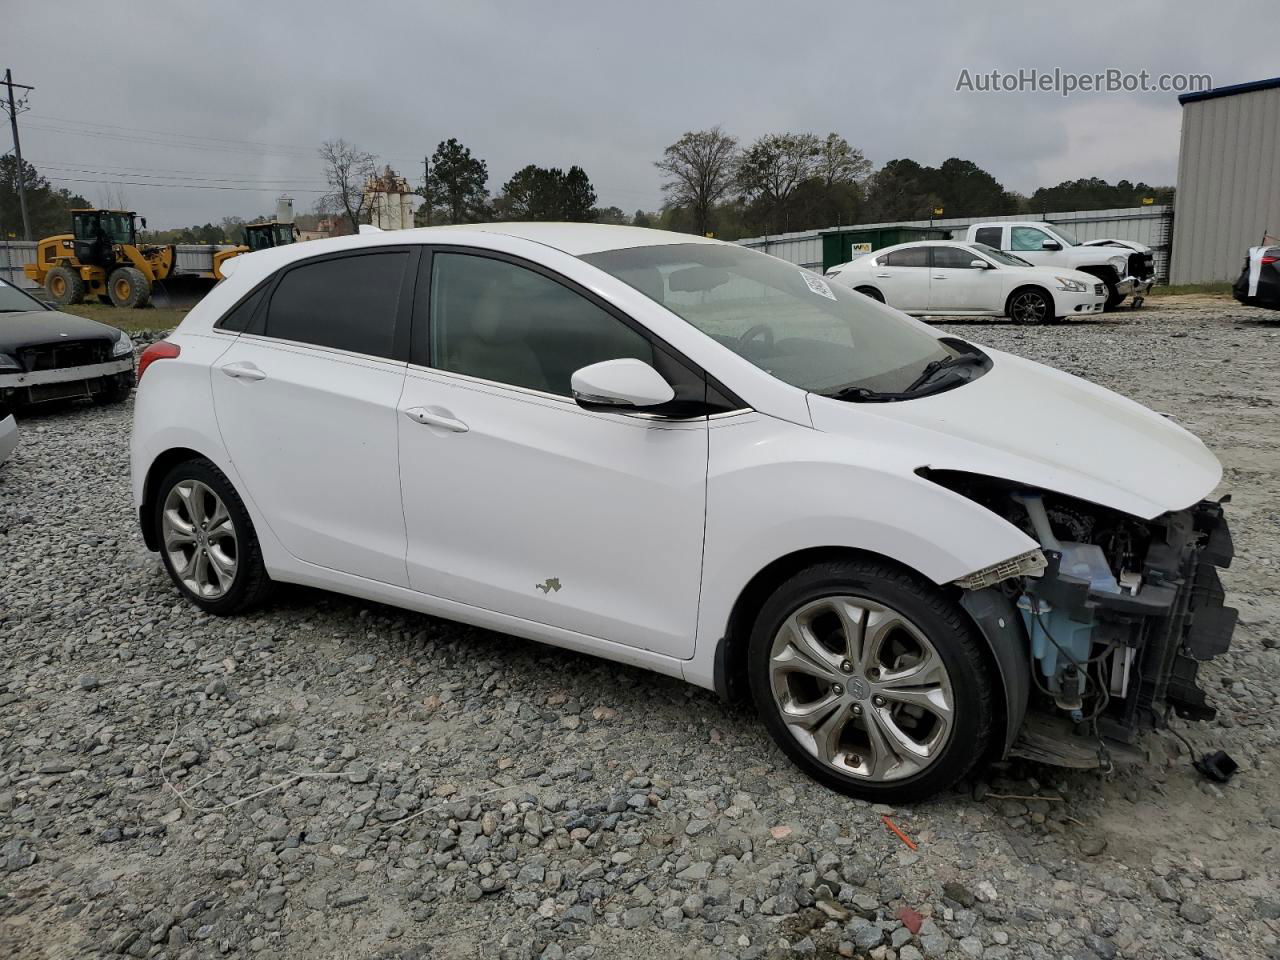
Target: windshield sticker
817, 285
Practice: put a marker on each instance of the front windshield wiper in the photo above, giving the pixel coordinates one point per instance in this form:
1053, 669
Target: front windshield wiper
917, 386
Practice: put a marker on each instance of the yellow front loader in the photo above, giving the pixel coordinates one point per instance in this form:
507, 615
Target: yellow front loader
102, 258
257, 236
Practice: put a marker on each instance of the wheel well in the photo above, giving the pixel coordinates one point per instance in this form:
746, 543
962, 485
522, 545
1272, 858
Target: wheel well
159, 467
869, 291
1103, 273
731, 657
1028, 286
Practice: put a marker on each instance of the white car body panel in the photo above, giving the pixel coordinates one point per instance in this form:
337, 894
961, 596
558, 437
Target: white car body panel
590, 522
652, 527
8, 437
334, 508
961, 291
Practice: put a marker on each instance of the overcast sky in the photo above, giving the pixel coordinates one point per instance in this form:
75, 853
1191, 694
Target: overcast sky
239, 95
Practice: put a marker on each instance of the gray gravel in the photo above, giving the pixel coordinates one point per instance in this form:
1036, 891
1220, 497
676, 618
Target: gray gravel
329, 778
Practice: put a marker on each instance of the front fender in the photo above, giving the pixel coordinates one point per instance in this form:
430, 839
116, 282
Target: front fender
804, 489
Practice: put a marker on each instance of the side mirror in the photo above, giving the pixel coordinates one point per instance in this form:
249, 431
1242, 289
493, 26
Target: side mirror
620, 385
979, 264
1051, 245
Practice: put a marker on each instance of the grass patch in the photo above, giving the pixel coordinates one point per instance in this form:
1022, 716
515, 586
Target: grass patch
150, 318
1223, 289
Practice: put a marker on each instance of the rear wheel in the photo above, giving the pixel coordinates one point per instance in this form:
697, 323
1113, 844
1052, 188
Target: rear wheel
128, 287
871, 681
871, 292
1030, 305
207, 541
64, 285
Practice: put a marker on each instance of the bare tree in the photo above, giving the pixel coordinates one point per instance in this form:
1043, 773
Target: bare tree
348, 170
774, 165
838, 162
699, 170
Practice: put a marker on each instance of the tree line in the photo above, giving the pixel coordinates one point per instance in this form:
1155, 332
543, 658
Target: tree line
784, 182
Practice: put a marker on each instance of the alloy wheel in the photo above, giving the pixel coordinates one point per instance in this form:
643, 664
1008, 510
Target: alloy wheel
1028, 308
861, 688
200, 539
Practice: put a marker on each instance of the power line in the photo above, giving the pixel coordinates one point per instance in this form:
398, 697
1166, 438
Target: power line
184, 186
267, 183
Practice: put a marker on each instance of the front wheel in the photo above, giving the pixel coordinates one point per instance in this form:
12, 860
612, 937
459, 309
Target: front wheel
207, 541
1030, 305
128, 287
871, 681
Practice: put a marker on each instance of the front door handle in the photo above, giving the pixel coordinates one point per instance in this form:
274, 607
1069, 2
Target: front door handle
939, 278
884, 276
243, 370
426, 417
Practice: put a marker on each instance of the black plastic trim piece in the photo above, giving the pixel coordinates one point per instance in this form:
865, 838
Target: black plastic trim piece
1001, 626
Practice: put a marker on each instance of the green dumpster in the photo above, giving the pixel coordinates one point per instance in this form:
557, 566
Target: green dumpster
841, 246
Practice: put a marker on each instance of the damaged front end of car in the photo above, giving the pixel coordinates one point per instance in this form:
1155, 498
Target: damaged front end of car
1100, 633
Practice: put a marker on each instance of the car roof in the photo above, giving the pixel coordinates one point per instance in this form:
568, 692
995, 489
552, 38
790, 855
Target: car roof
580, 239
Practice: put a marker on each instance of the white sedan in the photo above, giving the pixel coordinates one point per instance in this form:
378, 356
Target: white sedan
971, 279
691, 457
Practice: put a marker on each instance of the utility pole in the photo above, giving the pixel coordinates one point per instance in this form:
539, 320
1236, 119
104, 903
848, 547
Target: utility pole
426, 186
13, 107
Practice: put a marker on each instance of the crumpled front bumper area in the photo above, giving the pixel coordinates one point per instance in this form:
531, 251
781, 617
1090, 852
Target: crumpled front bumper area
1152, 640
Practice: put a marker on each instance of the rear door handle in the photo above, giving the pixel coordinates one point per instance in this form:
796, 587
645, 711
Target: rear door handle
243, 370
427, 418
939, 278
884, 276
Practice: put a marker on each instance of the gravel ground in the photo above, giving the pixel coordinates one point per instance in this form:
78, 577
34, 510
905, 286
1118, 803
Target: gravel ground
330, 778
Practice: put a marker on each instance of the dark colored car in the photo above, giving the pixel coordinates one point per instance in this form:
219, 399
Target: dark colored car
1259, 283
47, 355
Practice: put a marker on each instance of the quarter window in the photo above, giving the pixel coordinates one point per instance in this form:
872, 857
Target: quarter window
348, 303
1027, 239
499, 321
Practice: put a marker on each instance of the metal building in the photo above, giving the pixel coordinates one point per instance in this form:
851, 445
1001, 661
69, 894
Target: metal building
1228, 179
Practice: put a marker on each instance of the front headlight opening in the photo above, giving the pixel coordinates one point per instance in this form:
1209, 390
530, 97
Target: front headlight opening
8, 363
123, 347
1071, 286
1119, 265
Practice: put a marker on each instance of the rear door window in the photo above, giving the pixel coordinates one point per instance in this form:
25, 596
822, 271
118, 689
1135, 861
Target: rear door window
910, 257
347, 303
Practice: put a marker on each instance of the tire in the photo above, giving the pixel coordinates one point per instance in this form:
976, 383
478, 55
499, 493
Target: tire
1029, 305
128, 287
871, 292
116, 391
1114, 297
248, 584
908, 610
64, 285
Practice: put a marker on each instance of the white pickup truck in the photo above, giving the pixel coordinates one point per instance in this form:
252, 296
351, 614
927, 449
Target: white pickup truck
1127, 270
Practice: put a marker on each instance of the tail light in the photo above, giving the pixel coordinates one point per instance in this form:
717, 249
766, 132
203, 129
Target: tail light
1270, 259
160, 350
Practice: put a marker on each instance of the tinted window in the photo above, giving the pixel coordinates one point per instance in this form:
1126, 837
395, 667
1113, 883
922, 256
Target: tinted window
954, 257
347, 303
499, 321
910, 257
238, 317
988, 235
1027, 238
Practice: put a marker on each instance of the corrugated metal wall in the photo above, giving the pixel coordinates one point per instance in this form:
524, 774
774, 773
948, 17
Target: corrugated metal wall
1149, 225
1228, 183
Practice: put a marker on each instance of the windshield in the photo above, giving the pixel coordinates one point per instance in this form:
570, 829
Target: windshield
787, 321
1063, 233
258, 237
999, 256
13, 300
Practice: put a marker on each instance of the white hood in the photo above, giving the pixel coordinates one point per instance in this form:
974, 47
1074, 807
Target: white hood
1031, 424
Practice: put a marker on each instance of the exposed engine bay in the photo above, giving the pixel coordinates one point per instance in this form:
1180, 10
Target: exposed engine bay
1115, 617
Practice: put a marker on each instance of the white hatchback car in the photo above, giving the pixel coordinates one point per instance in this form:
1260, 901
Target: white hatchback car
948, 278
909, 551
